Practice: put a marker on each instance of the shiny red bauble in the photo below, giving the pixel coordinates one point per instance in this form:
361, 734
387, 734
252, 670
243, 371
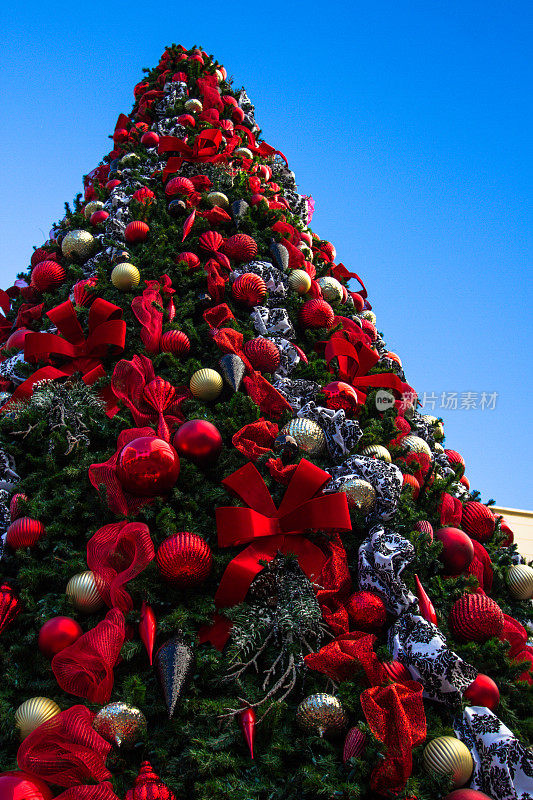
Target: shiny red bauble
24, 532
476, 618
16, 340
148, 466
175, 342
483, 692
467, 794
240, 247
184, 559
456, 461
136, 231
121, 135
199, 441
20, 786
186, 119
98, 217
58, 633
478, 521
15, 505
366, 610
457, 552
358, 301
110, 185
47, 275
316, 314
262, 354
41, 255
411, 482
396, 671
340, 395
150, 139
249, 289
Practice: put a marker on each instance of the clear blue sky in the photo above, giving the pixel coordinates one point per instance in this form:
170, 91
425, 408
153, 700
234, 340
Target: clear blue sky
409, 122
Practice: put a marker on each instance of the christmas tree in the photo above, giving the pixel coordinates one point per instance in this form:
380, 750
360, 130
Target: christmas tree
237, 562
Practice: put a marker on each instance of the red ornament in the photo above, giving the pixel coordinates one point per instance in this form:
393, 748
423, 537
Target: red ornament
184, 559
478, 521
24, 532
179, 186
110, 185
340, 395
369, 329
476, 618
191, 259
396, 671
82, 295
249, 289
425, 606
58, 633
358, 301
483, 692
424, 526
175, 342
411, 481
456, 461
211, 241
150, 139
464, 480
247, 720
262, 354
15, 506
47, 275
21, 786
199, 441
144, 196
186, 119
10, 606
136, 231
467, 794
148, 786
120, 135
457, 552
366, 611
354, 744
41, 255
240, 247
316, 314
148, 466
98, 217
16, 340
147, 629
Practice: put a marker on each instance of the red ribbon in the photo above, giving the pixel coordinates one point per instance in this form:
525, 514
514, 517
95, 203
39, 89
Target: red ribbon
148, 309
204, 149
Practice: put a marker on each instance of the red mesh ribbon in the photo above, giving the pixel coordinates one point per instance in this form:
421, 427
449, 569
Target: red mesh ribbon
151, 400
116, 554
118, 500
282, 473
100, 791
66, 750
218, 315
85, 668
336, 588
204, 149
343, 657
481, 566
395, 714
148, 308
519, 650
210, 94
216, 280
256, 439
28, 313
450, 510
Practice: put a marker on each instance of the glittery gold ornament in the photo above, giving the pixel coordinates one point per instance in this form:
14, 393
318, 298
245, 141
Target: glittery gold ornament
299, 281
125, 276
436, 426
129, 159
360, 494
520, 581
78, 245
243, 152
217, 199
219, 75
415, 444
377, 451
193, 105
331, 289
121, 724
449, 756
306, 250
82, 592
90, 208
439, 448
206, 384
33, 712
370, 316
307, 434
321, 713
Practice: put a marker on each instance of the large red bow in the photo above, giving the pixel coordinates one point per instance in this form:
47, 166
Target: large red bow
204, 149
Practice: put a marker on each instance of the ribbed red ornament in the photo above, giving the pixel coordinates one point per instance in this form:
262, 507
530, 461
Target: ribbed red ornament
354, 744
369, 329
10, 606
464, 480
136, 231
358, 301
476, 618
478, 521
483, 692
457, 552
366, 610
47, 275
211, 241
82, 294
249, 289
184, 559
396, 671
24, 532
41, 255
424, 526
262, 354
144, 195
191, 259
179, 186
316, 314
456, 461
148, 786
240, 247
15, 510
411, 481
175, 342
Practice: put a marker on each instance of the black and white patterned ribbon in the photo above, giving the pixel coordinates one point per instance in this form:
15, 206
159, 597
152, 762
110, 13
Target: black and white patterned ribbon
272, 321
383, 556
385, 478
342, 434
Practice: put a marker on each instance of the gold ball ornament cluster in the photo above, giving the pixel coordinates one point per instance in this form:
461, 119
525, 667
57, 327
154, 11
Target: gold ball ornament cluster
331, 289
121, 724
206, 384
520, 581
307, 434
415, 444
370, 316
125, 276
377, 451
90, 208
449, 756
193, 106
78, 245
217, 199
33, 712
299, 281
82, 592
321, 713
360, 494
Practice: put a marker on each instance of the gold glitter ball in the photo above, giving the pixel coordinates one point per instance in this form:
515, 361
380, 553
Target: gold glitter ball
82, 592
299, 281
78, 245
439, 448
331, 289
415, 444
193, 105
242, 152
306, 250
125, 276
447, 755
121, 724
377, 451
321, 713
129, 159
370, 316
360, 494
206, 384
520, 581
90, 208
307, 434
217, 199
33, 712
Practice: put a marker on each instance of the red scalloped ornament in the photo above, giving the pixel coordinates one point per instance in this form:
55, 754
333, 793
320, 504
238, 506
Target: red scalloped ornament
316, 313
148, 786
211, 241
136, 231
240, 247
47, 275
249, 289
262, 354
179, 186
476, 618
184, 559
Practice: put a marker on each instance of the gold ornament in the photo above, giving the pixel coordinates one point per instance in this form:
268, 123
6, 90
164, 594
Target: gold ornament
243, 152
217, 199
321, 713
377, 451
307, 434
120, 724
306, 250
129, 159
193, 106
219, 75
299, 281
415, 444
125, 276
206, 384
78, 245
360, 494
436, 426
370, 316
449, 756
439, 448
520, 581
33, 712
82, 592
331, 289
90, 208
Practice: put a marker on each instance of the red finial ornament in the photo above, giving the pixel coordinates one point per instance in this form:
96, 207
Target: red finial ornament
247, 722
425, 605
147, 629
148, 786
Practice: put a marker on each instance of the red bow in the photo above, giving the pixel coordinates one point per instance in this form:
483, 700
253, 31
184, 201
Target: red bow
148, 308
5, 325
204, 149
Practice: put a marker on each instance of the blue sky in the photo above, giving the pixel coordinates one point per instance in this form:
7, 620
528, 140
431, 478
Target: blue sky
409, 123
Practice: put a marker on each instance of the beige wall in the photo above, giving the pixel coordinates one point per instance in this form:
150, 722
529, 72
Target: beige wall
521, 524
